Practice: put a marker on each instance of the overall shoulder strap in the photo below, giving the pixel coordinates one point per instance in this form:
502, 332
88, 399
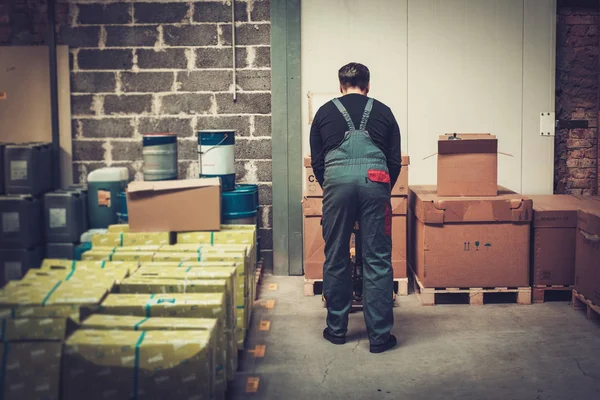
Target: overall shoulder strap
366, 114
344, 112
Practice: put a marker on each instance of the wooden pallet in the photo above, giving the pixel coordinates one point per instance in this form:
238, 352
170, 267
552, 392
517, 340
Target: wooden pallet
476, 295
539, 291
315, 286
580, 302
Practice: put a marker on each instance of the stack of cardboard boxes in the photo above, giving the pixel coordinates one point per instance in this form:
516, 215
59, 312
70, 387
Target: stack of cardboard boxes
314, 245
468, 235
159, 307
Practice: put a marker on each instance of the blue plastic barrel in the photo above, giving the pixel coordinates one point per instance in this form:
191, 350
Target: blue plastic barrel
240, 206
216, 156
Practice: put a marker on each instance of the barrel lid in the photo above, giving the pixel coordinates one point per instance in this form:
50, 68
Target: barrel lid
160, 134
217, 131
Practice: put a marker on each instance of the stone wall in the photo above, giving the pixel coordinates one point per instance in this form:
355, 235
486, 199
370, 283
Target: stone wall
140, 67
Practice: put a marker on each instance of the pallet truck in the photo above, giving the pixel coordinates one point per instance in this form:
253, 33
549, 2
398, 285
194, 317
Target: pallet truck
356, 260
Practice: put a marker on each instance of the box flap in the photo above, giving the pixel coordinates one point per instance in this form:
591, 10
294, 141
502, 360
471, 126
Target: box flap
307, 161
146, 186
429, 208
399, 205
467, 143
555, 211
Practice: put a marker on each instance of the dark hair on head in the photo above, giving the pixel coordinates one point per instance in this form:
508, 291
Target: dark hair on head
354, 75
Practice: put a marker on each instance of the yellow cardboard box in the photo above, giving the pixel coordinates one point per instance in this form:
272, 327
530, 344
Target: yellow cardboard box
218, 342
51, 298
148, 364
197, 305
118, 228
31, 357
147, 238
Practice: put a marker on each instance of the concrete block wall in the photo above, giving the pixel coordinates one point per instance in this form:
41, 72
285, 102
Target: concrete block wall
577, 86
162, 66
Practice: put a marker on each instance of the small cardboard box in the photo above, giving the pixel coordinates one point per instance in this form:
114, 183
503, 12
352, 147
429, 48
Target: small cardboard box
146, 364
174, 206
468, 165
313, 189
314, 244
469, 242
587, 269
32, 352
554, 235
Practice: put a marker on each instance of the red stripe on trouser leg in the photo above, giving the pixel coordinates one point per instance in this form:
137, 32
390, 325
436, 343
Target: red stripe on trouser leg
388, 219
376, 175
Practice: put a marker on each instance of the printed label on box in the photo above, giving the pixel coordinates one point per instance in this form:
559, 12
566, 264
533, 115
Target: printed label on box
10, 222
13, 271
104, 198
18, 170
58, 218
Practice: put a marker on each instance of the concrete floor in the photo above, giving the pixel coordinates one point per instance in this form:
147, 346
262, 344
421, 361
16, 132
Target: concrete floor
496, 351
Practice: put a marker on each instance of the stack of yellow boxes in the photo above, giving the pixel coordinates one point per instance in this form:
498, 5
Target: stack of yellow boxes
128, 302
36, 315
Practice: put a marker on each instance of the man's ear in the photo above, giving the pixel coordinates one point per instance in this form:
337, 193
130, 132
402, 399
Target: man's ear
341, 89
368, 87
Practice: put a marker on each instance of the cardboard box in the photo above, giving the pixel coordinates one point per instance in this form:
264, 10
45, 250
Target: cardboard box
118, 228
469, 166
554, 234
469, 242
218, 342
314, 244
206, 270
176, 305
313, 189
587, 270
178, 202
155, 364
32, 357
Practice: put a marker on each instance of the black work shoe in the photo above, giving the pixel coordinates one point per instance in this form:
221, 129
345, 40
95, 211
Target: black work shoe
380, 348
334, 339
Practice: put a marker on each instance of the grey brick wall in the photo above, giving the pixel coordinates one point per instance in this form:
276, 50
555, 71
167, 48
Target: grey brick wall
157, 66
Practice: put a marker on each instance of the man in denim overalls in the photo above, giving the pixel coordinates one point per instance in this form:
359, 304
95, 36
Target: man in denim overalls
356, 158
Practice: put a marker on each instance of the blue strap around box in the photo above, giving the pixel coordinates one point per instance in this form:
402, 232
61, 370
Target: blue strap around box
70, 274
147, 306
212, 238
136, 365
50, 292
103, 264
136, 327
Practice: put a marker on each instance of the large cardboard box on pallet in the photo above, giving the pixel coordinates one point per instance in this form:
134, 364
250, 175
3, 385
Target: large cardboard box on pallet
469, 242
99, 364
467, 165
554, 234
587, 270
313, 189
314, 244
172, 206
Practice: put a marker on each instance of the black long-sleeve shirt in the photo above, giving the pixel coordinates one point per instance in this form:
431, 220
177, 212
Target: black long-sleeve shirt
329, 127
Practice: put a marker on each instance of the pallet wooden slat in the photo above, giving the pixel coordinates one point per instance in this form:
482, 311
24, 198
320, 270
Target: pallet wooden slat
580, 302
539, 291
426, 296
